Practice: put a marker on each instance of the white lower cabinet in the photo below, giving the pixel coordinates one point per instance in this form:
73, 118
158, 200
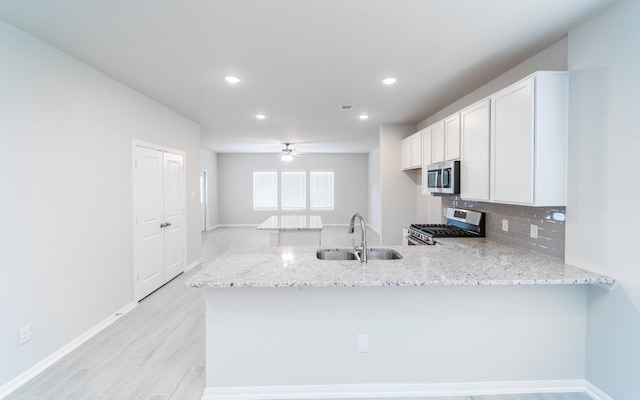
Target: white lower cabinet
475, 160
529, 141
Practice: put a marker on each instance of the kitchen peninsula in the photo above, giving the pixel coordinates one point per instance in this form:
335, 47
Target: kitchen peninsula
293, 230
461, 315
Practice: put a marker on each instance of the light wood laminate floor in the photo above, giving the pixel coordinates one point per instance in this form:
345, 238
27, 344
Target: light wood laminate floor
156, 351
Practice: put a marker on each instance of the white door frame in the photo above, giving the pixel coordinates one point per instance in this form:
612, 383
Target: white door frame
153, 146
204, 191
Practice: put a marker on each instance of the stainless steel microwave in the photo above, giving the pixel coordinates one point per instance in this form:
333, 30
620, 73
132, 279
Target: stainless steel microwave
443, 177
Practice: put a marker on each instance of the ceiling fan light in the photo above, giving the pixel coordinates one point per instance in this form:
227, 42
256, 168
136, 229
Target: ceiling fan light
232, 79
286, 157
389, 80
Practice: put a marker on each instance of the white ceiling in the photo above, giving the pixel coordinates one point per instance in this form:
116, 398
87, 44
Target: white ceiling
300, 59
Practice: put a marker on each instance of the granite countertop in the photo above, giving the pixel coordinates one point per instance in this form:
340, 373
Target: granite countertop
292, 222
451, 262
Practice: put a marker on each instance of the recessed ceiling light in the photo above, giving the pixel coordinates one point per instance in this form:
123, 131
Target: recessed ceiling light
389, 81
232, 79
363, 116
261, 116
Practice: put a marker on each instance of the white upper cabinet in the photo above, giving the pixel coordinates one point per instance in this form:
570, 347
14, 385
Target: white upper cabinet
426, 156
452, 137
426, 147
416, 150
529, 141
475, 150
445, 139
437, 142
411, 151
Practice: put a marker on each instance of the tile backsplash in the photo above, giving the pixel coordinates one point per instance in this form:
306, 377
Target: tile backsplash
550, 222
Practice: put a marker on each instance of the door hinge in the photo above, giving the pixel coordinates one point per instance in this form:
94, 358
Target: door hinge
138, 278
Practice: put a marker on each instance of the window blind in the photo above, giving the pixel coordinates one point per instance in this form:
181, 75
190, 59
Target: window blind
294, 190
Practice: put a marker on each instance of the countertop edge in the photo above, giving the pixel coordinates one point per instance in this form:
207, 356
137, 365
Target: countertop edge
604, 283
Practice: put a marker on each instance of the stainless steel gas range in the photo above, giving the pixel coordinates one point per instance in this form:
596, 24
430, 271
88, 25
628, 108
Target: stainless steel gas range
460, 223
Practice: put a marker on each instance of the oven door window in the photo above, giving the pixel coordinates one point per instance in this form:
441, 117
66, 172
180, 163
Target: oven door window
433, 179
446, 178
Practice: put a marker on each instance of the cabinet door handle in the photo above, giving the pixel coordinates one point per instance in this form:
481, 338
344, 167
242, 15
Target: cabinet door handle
167, 224
163, 225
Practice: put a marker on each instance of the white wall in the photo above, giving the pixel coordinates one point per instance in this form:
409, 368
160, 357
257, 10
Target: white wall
604, 181
397, 187
209, 163
553, 58
375, 208
235, 185
66, 136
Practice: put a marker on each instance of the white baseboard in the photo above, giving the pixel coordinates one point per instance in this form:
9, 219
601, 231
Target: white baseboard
32, 372
595, 393
237, 225
393, 390
209, 229
193, 265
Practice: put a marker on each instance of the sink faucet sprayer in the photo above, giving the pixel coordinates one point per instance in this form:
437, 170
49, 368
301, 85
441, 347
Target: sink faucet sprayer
363, 245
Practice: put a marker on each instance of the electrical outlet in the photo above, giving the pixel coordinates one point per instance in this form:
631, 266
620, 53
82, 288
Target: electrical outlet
505, 225
534, 231
25, 334
363, 343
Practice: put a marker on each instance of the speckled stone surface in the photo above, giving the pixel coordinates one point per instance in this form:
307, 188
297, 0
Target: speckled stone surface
451, 262
292, 223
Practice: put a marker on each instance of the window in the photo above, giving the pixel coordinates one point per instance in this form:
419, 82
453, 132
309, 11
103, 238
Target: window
321, 190
265, 190
294, 190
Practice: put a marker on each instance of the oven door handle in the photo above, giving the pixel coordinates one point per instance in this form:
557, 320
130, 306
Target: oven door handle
415, 241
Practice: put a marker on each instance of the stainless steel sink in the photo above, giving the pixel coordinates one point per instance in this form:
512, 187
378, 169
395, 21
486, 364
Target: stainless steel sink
349, 254
383, 254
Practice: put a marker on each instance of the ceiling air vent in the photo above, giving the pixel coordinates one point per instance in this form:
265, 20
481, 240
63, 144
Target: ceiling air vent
346, 107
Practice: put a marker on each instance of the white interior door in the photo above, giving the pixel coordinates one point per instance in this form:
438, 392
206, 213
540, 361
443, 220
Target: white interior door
174, 246
159, 218
149, 238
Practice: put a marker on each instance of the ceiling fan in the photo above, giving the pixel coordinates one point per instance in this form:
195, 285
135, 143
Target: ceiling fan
288, 153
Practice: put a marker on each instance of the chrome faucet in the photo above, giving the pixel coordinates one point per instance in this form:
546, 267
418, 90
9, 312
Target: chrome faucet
363, 245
